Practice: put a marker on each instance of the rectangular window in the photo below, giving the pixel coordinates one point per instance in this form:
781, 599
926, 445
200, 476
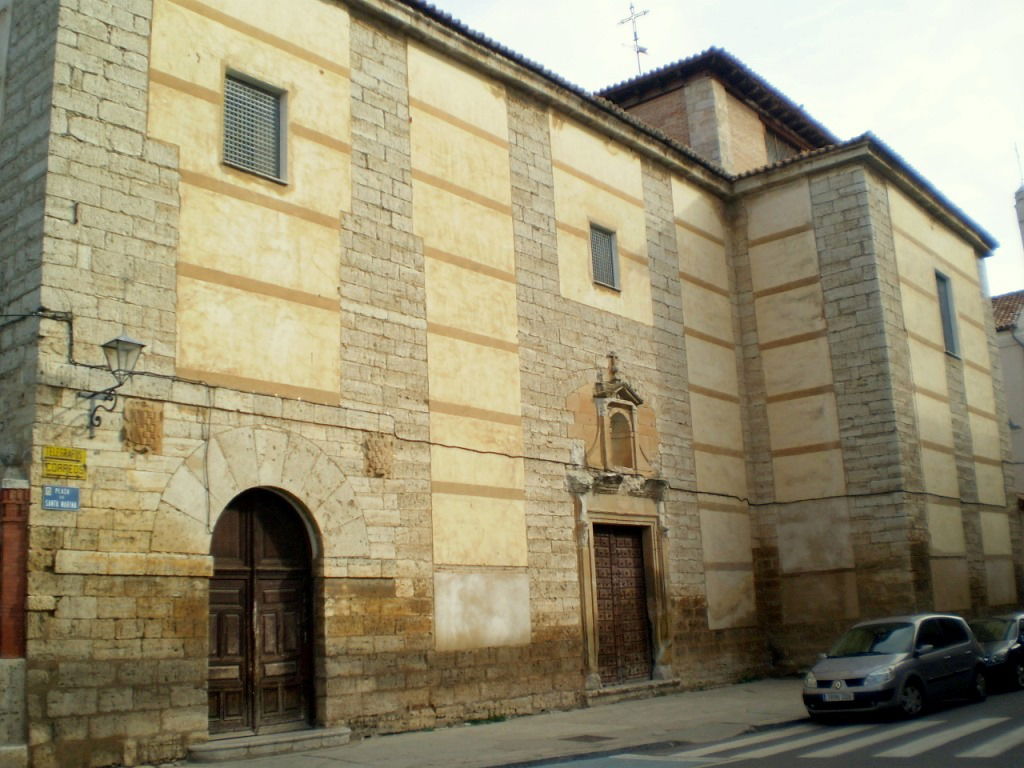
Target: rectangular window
253, 127
948, 313
604, 257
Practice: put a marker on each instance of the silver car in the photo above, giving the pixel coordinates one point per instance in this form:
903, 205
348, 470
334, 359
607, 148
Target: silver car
900, 663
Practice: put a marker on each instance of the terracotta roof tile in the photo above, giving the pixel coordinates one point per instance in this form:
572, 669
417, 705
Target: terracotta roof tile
1005, 309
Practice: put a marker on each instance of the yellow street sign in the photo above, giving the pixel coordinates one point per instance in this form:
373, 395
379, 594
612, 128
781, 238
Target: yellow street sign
59, 461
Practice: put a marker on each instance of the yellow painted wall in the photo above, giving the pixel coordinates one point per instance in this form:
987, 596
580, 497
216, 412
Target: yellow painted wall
803, 421
815, 537
258, 272
599, 182
718, 442
924, 246
728, 567
945, 529
784, 259
730, 595
950, 587
789, 310
1000, 582
995, 534
782, 210
462, 210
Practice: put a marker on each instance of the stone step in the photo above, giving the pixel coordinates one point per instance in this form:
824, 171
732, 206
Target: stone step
13, 756
628, 691
244, 747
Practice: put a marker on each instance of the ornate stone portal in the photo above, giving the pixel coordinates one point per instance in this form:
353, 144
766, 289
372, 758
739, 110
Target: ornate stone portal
618, 502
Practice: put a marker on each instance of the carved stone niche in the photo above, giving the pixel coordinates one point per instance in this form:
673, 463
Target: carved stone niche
617, 406
617, 431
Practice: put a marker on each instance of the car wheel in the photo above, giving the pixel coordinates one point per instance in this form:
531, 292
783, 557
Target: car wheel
1018, 674
910, 699
979, 686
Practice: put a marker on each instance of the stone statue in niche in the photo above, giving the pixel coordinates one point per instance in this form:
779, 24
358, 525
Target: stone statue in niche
143, 426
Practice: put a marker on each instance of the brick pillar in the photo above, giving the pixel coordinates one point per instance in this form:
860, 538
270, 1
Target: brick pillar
13, 554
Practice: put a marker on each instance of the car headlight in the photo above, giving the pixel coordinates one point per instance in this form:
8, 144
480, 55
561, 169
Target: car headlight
810, 681
879, 676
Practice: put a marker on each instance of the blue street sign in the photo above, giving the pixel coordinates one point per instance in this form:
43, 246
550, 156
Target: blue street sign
60, 497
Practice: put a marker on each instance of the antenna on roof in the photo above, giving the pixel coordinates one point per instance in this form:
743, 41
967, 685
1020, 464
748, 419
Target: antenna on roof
637, 48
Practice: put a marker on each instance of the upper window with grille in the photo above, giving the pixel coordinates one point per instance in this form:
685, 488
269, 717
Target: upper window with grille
253, 127
604, 258
947, 313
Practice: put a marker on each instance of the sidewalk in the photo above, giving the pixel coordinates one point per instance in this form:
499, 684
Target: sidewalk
694, 717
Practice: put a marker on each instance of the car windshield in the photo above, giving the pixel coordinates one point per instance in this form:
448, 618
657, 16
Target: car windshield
870, 639
992, 630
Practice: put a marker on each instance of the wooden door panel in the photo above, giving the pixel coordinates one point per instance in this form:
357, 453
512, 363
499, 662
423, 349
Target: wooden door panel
228, 662
623, 623
260, 660
284, 662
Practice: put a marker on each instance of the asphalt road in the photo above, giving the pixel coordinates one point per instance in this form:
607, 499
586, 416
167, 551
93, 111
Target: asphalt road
957, 735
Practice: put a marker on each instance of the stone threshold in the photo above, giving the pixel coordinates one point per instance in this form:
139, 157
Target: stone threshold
13, 756
629, 691
287, 742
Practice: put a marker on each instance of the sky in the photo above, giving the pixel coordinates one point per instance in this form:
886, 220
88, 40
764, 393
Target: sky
940, 81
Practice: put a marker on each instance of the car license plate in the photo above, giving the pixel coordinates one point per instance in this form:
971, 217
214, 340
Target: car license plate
841, 696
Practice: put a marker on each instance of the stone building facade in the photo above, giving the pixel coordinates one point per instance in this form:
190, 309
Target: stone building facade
473, 395
1006, 312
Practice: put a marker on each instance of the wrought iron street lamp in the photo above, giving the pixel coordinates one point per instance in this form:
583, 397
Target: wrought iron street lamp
122, 354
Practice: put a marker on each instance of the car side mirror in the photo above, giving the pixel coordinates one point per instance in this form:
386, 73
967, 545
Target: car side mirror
923, 649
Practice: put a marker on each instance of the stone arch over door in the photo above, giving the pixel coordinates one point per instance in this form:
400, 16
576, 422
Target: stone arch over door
242, 458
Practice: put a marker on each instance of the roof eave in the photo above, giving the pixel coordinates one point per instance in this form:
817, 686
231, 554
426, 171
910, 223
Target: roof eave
871, 151
757, 92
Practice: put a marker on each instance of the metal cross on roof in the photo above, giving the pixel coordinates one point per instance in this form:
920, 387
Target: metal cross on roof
637, 48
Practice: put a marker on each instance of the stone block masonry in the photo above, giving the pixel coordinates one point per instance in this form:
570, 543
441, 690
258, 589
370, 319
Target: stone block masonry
110, 642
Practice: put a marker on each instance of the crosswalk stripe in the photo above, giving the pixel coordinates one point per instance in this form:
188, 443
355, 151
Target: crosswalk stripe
806, 741
917, 746
757, 738
883, 734
995, 747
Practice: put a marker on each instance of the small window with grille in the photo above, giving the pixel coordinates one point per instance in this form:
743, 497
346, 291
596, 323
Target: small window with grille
253, 127
947, 313
604, 257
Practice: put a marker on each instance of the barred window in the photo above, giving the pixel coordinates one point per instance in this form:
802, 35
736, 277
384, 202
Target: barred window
947, 313
253, 127
604, 257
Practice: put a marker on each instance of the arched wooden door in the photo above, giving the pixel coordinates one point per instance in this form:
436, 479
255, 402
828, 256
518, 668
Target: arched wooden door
260, 668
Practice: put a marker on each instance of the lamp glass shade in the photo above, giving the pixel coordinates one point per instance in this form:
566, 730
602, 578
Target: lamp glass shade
122, 353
